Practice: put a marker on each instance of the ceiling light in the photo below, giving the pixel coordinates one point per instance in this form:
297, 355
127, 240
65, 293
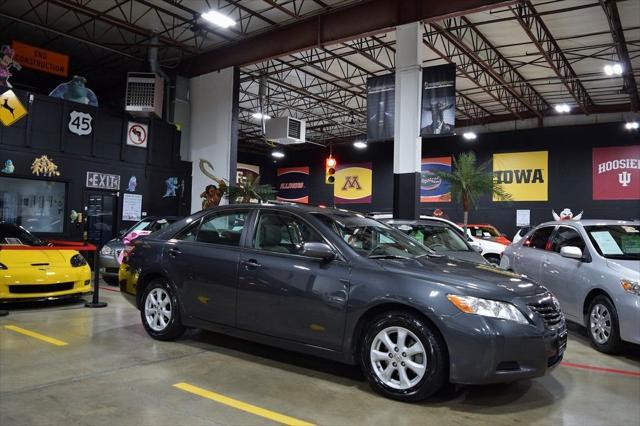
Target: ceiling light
617, 69
260, 116
360, 144
277, 154
631, 125
608, 69
217, 18
562, 108
470, 136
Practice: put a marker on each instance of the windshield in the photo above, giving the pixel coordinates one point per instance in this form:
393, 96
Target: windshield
616, 241
483, 231
437, 238
13, 234
151, 225
371, 238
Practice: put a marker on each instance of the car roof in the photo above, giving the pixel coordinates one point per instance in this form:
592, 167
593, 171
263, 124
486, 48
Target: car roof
591, 222
429, 222
303, 208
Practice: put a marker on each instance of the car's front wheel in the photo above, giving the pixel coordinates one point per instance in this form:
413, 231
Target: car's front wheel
603, 325
160, 311
402, 357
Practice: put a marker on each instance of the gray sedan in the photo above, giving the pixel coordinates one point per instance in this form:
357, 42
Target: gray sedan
593, 267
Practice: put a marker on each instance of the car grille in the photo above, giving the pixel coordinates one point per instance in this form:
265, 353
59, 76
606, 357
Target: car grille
551, 315
39, 288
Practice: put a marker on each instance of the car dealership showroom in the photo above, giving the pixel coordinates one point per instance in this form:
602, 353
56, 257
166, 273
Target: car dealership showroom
320, 212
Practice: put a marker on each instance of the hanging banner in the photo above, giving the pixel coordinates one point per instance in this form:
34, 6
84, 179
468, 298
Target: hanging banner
432, 188
353, 184
293, 184
380, 107
438, 100
524, 175
616, 173
40, 59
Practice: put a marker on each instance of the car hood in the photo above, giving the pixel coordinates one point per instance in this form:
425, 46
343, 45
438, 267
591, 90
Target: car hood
22, 258
627, 269
469, 256
481, 280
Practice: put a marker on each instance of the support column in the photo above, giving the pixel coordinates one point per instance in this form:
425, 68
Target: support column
407, 144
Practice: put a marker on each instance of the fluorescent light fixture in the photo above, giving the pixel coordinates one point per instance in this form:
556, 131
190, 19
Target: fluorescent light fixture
562, 108
470, 136
277, 154
217, 18
260, 116
632, 125
360, 144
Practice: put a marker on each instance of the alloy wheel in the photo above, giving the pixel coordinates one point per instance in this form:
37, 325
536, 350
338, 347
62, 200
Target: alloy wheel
398, 358
157, 309
600, 323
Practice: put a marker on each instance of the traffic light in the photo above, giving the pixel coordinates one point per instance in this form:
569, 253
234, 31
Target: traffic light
330, 171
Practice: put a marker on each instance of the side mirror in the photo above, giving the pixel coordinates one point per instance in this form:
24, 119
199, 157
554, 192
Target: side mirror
571, 252
318, 251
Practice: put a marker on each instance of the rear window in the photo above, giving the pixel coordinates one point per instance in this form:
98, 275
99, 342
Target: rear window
539, 238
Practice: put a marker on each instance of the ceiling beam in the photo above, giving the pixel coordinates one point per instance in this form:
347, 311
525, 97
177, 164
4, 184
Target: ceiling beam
334, 26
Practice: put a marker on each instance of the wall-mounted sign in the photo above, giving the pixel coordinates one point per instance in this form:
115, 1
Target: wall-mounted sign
432, 188
41, 59
293, 184
438, 100
381, 94
353, 184
616, 173
137, 134
11, 109
80, 123
523, 218
103, 181
131, 207
524, 175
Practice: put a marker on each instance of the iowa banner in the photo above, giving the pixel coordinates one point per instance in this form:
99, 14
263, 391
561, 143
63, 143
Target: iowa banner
353, 185
438, 100
616, 173
293, 184
380, 107
432, 188
524, 175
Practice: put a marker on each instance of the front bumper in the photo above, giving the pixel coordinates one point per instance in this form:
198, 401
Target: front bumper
109, 266
54, 285
628, 307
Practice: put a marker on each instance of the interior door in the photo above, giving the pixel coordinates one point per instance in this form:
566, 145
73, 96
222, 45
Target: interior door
101, 216
286, 295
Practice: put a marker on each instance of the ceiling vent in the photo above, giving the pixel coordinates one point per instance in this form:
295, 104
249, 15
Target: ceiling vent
285, 130
145, 92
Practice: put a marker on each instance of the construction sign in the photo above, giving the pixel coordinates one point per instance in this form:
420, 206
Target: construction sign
524, 175
41, 59
353, 184
11, 109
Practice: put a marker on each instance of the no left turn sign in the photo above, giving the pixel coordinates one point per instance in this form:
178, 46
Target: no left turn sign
137, 134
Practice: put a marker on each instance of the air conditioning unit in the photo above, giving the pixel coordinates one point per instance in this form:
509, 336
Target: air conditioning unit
145, 93
285, 130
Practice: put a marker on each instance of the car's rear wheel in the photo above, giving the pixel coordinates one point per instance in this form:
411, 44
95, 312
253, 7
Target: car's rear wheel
603, 325
402, 357
160, 311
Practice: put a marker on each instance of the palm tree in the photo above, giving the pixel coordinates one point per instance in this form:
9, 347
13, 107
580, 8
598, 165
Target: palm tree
248, 189
468, 181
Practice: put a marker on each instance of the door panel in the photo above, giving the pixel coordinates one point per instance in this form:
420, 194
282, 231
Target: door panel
530, 255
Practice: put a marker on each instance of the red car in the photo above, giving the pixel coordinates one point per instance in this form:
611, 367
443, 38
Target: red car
487, 232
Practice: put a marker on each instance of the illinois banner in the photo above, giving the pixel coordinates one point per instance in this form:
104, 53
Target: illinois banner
293, 184
438, 100
432, 188
353, 185
380, 107
616, 173
524, 175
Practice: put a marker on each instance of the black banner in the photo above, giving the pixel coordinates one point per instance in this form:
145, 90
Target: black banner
380, 107
438, 115
293, 184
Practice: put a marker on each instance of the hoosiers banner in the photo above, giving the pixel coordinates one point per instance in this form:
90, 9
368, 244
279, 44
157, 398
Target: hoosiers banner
524, 175
293, 184
353, 185
380, 107
438, 100
432, 188
616, 173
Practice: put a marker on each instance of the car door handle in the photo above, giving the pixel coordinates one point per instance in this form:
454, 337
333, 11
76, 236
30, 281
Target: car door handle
173, 252
251, 263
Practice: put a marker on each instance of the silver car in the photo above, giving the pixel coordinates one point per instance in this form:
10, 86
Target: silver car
593, 268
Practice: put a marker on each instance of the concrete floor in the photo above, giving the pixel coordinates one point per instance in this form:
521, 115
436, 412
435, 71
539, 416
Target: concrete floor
111, 373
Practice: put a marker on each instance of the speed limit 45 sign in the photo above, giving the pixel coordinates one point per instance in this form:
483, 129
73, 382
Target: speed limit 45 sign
137, 134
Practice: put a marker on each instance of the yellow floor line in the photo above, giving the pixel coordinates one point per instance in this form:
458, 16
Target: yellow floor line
36, 335
258, 411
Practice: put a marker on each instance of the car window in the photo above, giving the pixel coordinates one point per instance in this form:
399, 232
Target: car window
437, 238
223, 228
539, 238
565, 237
14, 234
189, 233
283, 233
616, 241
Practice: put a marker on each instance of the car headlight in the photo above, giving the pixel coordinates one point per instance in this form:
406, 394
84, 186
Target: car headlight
106, 251
487, 308
78, 260
630, 286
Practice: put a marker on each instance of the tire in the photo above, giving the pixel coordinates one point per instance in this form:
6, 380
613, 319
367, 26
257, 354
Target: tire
410, 386
160, 311
110, 281
492, 258
603, 326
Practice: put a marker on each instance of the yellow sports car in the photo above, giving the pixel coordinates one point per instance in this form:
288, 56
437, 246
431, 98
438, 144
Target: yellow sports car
30, 270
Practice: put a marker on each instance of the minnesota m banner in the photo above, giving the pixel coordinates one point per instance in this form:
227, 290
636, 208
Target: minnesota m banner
524, 175
353, 184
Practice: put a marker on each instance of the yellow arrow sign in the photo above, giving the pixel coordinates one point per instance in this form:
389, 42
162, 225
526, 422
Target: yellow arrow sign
11, 109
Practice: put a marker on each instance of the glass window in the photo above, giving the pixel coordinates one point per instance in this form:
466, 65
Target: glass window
36, 205
223, 228
616, 241
189, 233
539, 238
437, 238
283, 233
565, 237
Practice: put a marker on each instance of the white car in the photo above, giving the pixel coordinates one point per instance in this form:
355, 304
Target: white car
491, 250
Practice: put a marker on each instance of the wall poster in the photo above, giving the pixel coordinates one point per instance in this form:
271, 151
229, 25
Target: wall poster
293, 184
354, 184
524, 175
438, 115
432, 188
131, 207
380, 107
616, 173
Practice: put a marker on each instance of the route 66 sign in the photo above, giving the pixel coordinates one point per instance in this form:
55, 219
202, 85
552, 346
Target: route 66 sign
80, 123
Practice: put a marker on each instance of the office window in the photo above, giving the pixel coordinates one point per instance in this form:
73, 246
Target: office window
36, 205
